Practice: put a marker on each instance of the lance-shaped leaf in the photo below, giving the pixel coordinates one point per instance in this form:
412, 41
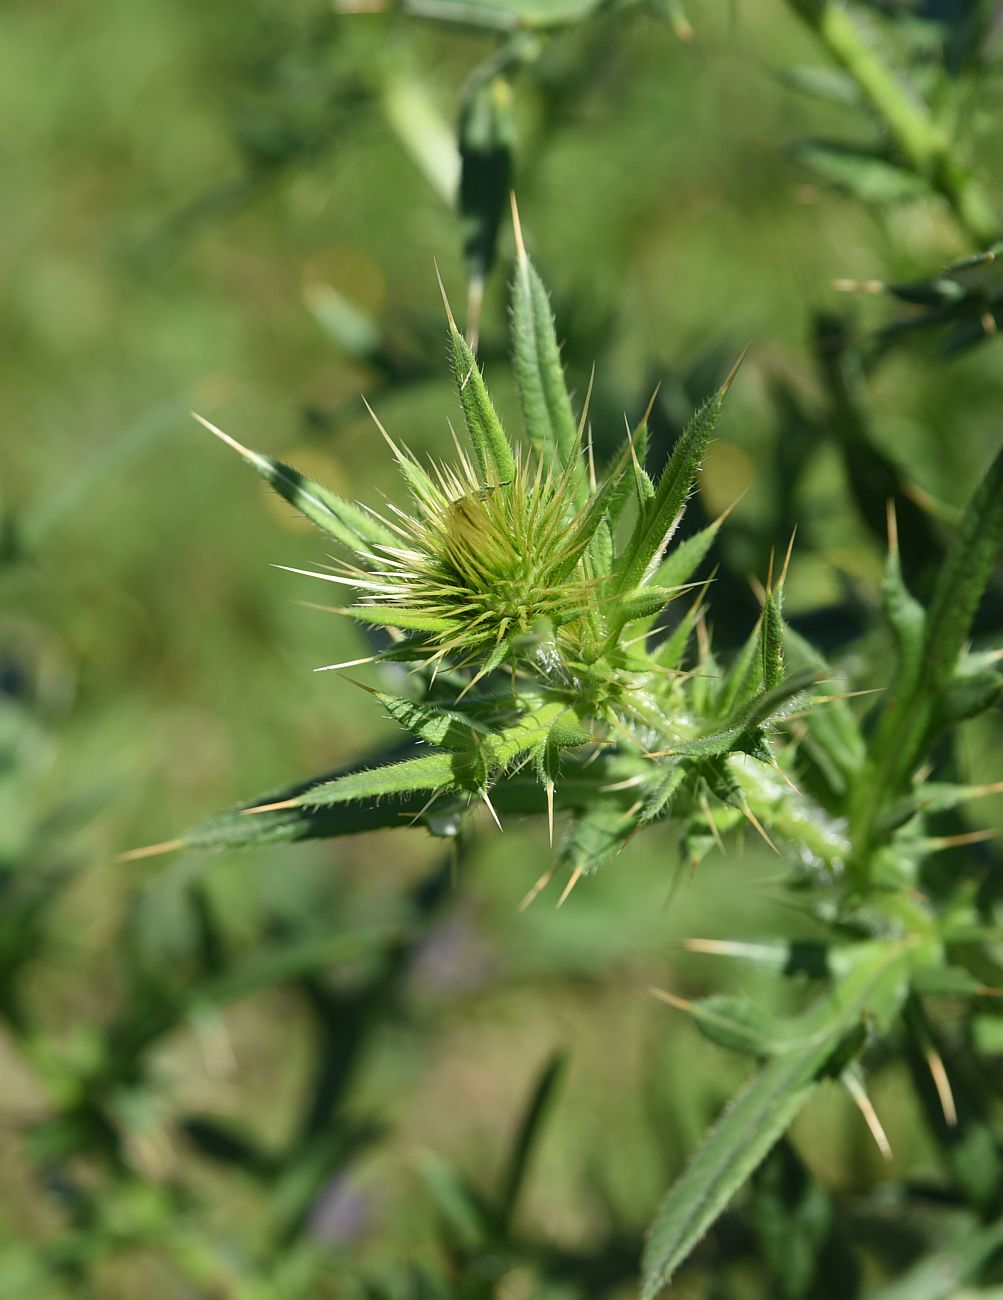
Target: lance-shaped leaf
756, 1119
772, 642
907, 620
737, 1023
596, 834
449, 771
348, 523
963, 578
745, 720
530, 1129
492, 450
546, 405
660, 516
683, 560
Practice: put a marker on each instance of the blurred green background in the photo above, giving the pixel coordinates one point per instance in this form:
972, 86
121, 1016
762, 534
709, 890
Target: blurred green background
236, 209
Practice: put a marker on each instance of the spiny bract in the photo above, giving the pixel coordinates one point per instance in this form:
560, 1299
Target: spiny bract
528, 561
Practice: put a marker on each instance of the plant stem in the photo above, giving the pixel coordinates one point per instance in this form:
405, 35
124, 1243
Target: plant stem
925, 146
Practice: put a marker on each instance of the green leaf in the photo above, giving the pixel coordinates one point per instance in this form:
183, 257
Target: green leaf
963, 577
754, 1121
906, 618
597, 833
540, 1103
546, 404
492, 450
738, 1024
862, 173
682, 561
348, 523
436, 726
745, 720
942, 1273
660, 516
772, 642
429, 772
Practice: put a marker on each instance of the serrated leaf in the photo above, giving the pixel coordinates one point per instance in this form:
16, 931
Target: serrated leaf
596, 834
660, 516
683, 560
963, 577
772, 642
492, 450
546, 404
745, 720
436, 726
754, 1121
429, 772
347, 523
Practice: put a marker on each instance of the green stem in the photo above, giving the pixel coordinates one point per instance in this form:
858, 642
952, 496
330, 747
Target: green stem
925, 146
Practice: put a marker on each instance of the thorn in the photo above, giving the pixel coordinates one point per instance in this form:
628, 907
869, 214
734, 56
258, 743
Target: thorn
980, 791
445, 303
270, 807
784, 776
937, 842
376, 420
715, 832
349, 663
893, 527
758, 590
734, 370
769, 573
520, 247
787, 559
591, 459
753, 820
151, 850
585, 412
680, 1004
651, 404
856, 1090
491, 809
945, 1094
858, 286
627, 784
361, 685
550, 811
238, 447
536, 889
576, 875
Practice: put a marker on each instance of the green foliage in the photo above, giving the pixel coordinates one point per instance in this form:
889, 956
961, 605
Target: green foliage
338, 1069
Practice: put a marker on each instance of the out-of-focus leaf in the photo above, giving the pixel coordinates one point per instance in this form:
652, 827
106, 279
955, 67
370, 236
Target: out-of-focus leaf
862, 173
487, 142
540, 1104
942, 1274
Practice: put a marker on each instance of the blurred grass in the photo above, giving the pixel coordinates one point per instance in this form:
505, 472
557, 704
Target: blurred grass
178, 179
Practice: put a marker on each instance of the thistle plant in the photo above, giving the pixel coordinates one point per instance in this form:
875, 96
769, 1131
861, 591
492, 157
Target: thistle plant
524, 588
523, 585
